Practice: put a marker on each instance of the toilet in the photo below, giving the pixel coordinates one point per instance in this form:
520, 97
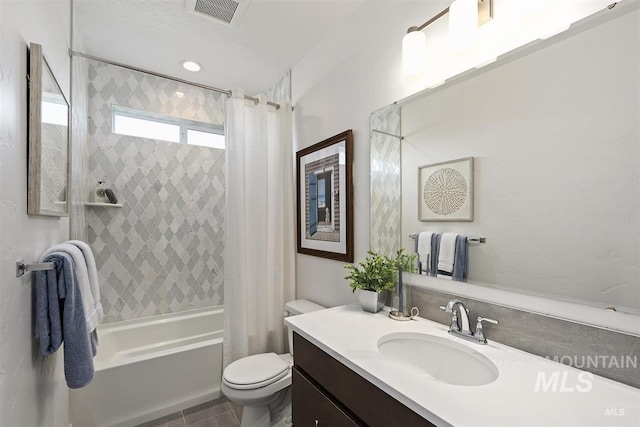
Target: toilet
261, 382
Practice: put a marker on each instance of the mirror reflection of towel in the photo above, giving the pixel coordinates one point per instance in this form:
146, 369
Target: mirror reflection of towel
447, 252
461, 263
423, 249
451, 266
435, 247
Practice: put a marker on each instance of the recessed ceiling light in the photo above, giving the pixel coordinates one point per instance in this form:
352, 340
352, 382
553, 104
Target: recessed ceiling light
191, 66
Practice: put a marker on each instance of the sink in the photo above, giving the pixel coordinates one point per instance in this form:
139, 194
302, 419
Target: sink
440, 359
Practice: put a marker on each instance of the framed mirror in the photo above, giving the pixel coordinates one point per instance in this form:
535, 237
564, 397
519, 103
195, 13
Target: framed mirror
48, 131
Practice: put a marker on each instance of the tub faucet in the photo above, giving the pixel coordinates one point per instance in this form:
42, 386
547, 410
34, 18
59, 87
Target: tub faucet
463, 330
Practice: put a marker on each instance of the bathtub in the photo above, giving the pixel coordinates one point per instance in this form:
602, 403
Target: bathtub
148, 368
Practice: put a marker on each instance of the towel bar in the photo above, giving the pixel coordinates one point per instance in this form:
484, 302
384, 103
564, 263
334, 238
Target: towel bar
22, 267
470, 239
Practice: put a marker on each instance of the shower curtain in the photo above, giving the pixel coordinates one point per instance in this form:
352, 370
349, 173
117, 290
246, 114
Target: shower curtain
260, 225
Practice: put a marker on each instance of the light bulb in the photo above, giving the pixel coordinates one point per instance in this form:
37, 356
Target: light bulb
191, 66
463, 24
414, 50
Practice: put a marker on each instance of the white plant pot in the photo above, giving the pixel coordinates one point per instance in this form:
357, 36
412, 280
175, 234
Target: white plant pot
371, 301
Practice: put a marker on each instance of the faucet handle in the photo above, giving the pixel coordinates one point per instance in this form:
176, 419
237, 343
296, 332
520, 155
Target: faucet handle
454, 321
479, 333
454, 318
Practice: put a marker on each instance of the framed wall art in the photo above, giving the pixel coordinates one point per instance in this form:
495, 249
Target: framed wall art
445, 191
325, 202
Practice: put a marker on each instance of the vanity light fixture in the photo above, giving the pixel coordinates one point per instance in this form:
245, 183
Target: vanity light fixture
191, 66
463, 24
465, 16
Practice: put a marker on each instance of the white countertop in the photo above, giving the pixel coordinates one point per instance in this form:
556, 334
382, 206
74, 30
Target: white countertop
351, 335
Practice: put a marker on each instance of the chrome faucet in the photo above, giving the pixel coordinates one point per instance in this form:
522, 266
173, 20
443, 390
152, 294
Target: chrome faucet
464, 315
463, 330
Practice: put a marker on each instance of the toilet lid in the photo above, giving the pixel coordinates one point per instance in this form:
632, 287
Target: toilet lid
255, 371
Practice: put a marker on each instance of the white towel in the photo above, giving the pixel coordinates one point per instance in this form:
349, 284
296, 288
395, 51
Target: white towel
424, 250
94, 283
447, 252
90, 314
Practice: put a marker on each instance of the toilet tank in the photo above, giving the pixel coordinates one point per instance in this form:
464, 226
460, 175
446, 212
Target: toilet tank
299, 306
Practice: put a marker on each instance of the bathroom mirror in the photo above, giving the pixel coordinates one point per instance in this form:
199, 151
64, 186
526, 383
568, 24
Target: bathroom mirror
48, 165
553, 130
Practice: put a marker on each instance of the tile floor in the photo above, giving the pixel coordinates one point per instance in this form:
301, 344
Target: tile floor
216, 413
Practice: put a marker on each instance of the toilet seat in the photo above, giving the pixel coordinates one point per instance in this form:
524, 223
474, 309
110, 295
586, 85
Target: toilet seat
255, 371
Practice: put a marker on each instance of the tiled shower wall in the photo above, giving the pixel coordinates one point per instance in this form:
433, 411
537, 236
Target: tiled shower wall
161, 252
385, 179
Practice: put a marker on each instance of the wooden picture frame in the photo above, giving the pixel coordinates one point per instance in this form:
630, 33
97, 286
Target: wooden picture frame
324, 184
445, 191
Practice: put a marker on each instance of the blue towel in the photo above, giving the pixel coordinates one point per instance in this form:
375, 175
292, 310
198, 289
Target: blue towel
60, 317
461, 263
435, 251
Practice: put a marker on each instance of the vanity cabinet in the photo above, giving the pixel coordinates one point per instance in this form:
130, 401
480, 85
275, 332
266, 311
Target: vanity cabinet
310, 404
328, 394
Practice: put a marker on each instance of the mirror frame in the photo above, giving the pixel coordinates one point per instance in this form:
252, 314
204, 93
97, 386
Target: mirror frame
547, 305
36, 66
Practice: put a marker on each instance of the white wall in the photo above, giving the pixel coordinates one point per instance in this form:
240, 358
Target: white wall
357, 70
33, 391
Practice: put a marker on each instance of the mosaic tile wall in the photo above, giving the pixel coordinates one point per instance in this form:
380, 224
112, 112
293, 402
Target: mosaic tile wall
386, 180
163, 251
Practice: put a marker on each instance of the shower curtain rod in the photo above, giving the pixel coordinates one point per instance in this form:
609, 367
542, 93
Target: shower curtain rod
164, 76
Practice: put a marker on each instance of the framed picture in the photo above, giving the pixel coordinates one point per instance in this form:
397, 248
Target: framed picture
445, 191
325, 202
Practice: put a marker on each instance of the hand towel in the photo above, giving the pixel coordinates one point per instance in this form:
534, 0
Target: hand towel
91, 315
94, 283
447, 252
461, 264
60, 318
424, 251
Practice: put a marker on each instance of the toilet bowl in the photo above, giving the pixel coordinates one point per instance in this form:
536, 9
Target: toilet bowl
260, 382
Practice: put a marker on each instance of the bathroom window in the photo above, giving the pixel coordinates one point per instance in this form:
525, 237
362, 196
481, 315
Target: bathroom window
143, 124
54, 109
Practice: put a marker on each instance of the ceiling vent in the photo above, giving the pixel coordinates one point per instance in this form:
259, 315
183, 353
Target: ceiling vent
227, 12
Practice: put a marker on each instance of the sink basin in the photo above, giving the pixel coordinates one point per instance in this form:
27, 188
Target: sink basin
440, 359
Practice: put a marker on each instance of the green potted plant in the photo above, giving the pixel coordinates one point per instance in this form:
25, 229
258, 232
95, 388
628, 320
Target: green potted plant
372, 277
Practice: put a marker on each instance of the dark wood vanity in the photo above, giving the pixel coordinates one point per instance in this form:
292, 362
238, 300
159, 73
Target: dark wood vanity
328, 394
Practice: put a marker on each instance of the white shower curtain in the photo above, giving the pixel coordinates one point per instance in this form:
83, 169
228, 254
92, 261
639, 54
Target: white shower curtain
259, 271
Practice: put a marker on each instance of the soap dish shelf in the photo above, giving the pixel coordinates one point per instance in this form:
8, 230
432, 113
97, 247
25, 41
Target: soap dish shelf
104, 205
